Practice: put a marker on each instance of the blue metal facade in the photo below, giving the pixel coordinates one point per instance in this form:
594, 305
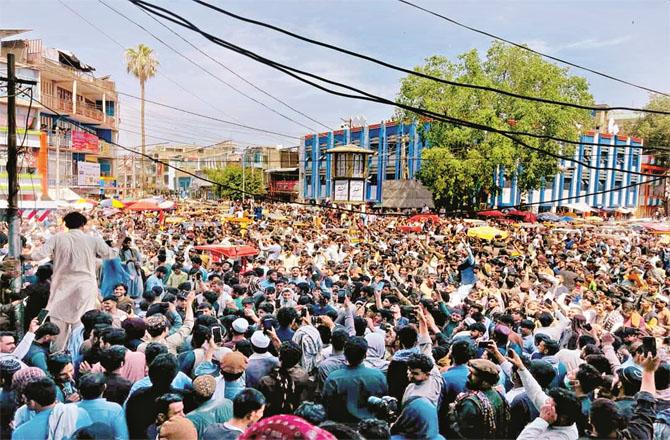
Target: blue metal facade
576, 183
397, 145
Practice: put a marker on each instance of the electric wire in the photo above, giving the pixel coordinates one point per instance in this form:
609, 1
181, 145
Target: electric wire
524, 47
170, 122
158, 72
235, 73
295, 73
337, 208
421, 74
194, 63
176, 83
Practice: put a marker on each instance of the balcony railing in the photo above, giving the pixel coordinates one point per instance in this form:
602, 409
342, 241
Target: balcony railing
89, 112
56, 103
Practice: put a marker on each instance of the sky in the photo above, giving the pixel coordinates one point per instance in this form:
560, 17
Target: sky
627, 39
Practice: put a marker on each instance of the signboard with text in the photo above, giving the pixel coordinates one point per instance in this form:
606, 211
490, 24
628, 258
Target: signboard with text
356, 192
88, 174
341, 192
83, 141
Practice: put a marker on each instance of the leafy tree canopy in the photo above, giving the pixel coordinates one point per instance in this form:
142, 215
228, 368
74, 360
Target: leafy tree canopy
231, 178
653, 129
460, 164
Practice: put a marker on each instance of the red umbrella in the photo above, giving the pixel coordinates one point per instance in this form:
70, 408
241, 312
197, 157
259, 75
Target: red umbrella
409, 228
492, 214
420, 218
229, 251
524, 215
144, 205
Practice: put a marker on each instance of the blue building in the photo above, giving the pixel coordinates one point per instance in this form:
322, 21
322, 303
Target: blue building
575, 183
397, 145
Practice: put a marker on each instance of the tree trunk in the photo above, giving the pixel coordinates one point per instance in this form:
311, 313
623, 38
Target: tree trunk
143, 181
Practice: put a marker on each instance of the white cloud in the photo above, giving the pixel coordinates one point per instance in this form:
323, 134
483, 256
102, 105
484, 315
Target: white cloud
584, 44
594, 43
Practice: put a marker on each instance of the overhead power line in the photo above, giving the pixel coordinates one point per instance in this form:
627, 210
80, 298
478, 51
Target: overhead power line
266, 93
201, 67
524, 47
158, 72
337, 208
176, 83
212, 118
421, 74
292, 71
296, 73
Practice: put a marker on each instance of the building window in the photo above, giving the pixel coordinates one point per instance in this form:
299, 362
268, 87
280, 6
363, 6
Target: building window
341, 169
358, 165
507, 181
567, 183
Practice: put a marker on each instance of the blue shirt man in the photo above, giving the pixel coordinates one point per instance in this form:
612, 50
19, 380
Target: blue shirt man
467, 269
41, 398
156, 279
109, 413
346, 391
99, 410
455, 379
180, 382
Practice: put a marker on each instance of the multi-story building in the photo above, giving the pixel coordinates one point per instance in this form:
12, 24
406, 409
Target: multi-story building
397, 145
283, 175
190, 158
654, 193
598, 185
79, 117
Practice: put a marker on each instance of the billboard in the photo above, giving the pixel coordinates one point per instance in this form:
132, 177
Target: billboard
88, 174
83, 141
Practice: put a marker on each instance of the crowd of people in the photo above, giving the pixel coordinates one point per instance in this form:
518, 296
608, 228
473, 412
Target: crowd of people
342, 326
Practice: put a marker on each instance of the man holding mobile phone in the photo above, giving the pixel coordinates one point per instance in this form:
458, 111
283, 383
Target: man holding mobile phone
10, 350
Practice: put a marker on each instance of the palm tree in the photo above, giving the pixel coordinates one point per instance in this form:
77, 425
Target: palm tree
142, 63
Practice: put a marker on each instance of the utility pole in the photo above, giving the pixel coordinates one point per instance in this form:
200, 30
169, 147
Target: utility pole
57, 132
244, 187
12, 216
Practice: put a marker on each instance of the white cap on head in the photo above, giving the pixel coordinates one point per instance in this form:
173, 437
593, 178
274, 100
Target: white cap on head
260, 340
240, 325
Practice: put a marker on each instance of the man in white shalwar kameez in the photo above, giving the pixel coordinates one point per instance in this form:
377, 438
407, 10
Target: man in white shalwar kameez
74, 288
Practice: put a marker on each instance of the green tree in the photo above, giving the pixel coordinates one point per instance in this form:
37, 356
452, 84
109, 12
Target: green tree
141, 63
653, 129
234, 179
460, 164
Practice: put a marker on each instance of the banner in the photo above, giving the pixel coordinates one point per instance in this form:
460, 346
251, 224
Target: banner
88, 174
356, 190
83, 141
341, 192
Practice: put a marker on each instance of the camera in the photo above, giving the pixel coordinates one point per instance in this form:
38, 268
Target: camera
384, 408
